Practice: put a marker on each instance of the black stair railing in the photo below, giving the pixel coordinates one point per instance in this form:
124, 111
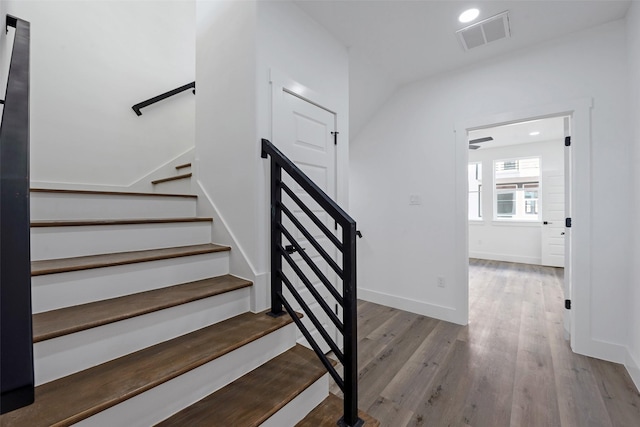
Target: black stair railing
16, 337
162, 96
346, 273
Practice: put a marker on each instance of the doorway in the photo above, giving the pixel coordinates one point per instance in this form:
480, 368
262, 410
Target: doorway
518, 192
578, 267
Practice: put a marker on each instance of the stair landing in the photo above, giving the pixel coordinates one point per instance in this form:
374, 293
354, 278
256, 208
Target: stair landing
329, 411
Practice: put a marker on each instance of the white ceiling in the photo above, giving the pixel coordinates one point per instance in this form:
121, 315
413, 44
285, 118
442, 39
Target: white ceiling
520, 133
394, 42
410, 40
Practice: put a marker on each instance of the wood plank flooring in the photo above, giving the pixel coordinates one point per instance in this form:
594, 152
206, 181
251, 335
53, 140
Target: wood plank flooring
330, 410
511, 366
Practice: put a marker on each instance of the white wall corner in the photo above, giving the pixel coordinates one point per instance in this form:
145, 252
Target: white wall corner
448, 314
633, 367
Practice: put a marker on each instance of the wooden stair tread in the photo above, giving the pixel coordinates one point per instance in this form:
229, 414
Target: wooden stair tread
184, 165
51, 266
253, 398
172, 178
83, 222
327, 413
110, 193
56, 323
70, 399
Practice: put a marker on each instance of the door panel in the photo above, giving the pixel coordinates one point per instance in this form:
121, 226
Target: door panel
303, 132
553, 218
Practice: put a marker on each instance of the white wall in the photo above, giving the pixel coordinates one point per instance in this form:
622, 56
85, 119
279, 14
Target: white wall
633, 49
369, 89
408, 148
4, 51
505, 240
227, 159
90, 62
238, 43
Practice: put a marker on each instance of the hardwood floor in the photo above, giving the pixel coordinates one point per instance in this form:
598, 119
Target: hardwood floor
509, 367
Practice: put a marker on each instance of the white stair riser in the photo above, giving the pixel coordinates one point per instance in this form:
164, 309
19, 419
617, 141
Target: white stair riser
294, 411
65, 242
179, 186
58, 357
67, 206
53, 291
166, 399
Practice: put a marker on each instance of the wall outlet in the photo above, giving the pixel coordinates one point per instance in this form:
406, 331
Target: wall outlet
415, 199
440, 281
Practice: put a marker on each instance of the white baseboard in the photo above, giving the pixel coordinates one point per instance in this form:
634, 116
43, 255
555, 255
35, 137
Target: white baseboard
633, 367
260, 295
505, 257
239, 262
423, 308
611, 352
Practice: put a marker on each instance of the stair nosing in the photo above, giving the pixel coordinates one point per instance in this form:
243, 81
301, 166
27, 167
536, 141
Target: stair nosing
150, 307
184, 165
150, 355
172, 178
111, 193
131, 221
128, 257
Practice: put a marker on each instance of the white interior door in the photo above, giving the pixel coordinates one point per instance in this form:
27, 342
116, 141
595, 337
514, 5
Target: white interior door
553, 233
304, 133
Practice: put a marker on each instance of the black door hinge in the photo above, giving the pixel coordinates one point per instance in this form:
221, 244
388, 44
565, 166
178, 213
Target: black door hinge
567, 222
335, 137
567, 304
567, 141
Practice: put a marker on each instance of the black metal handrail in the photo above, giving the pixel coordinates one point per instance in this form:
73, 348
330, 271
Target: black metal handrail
165, 95
16, 357
348, 383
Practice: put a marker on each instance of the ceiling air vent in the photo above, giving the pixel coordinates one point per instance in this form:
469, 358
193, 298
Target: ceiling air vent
487, 31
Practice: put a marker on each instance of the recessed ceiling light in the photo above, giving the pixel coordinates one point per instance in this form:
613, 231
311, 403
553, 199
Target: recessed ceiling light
468, 15
534, 133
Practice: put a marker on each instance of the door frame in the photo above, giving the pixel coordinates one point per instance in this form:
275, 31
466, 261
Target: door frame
579, 110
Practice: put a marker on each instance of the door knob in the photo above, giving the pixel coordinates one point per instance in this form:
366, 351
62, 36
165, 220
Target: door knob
291, 249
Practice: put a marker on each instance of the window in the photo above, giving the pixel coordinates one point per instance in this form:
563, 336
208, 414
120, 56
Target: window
506, 200
517, 188
475, 190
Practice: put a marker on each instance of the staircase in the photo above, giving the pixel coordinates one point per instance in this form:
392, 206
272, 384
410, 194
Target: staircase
138, 322
178, 182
